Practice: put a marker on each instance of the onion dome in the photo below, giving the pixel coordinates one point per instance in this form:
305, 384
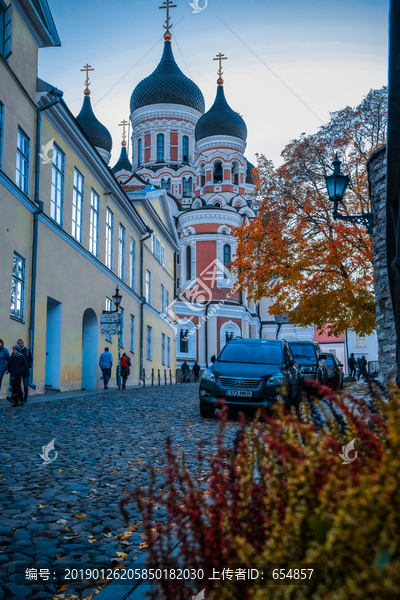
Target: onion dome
123, 163
221, 119
249, 173
167, 85
98, 135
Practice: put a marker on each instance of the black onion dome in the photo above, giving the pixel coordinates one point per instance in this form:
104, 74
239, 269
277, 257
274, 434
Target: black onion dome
249, 173
167, 85
123, 163
94, 130
221, 120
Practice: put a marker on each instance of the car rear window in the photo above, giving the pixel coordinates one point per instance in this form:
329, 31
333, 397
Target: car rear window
329, 361
303, 350
259, 354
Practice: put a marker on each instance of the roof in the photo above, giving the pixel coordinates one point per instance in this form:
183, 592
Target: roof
322, 337
249, 173
95, 131
167, 85
123, 163
41, 21
221, 120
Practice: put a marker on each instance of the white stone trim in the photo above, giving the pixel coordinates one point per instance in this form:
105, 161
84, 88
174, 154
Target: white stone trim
224, 230
226, 326
205, 217
184, 324
216, 141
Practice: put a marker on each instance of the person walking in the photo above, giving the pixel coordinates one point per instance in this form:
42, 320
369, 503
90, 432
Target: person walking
363, 368
185, 372
106, 363
196, 371
352, 365
4, 358
17, 367
27, 373
125, 370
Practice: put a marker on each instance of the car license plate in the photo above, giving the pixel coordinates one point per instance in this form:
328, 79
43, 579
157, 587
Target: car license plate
245, 393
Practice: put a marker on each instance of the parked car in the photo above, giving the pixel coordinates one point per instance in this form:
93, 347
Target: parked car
310, 358
250, 373
335, 371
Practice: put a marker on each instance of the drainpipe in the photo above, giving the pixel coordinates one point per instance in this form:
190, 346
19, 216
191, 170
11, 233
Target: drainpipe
143, 301
38, 211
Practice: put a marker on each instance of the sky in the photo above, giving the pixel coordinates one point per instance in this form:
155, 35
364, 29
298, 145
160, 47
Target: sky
290, 62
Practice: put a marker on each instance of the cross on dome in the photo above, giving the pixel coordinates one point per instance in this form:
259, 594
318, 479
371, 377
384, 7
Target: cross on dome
220, 57
124, 124
87, 68
167, 5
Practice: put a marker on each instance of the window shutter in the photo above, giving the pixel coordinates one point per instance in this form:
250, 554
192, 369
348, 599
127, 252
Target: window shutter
7, 32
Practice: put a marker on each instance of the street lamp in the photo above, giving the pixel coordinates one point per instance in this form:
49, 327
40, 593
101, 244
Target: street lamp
117, 299
337, 184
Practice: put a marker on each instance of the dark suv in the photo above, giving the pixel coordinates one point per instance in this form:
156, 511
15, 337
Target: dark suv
309, 357
250, 373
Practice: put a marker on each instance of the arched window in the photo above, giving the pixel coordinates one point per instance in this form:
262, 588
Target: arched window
218, 177
187, 187
227, 258
188, 263
185, 149
160, 147
166, 184
184, 341
139, 162
217, 204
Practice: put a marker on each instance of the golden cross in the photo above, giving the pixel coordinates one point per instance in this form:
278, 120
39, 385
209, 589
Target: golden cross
220, 57
168, 4
87, 68
124, 124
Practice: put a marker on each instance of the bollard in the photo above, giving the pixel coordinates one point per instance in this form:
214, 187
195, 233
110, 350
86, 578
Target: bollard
170, 377
165, 376
144, 378
152, 377
159, 378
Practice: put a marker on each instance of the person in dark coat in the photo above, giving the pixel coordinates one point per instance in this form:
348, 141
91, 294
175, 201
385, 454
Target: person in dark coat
27, 373
352, 365
125, 370
4, 358
196, 371
185, 372
17, 367
363, 368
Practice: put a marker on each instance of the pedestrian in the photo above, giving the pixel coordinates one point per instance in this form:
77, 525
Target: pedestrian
27, 373
363, 368
352, 365
106, 363
196, 371
125, 370
185, 372
4, 358
17, 367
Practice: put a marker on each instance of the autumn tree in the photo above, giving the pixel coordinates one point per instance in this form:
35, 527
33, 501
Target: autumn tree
315, 269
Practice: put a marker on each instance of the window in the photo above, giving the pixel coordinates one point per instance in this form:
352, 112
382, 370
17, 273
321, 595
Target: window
229, 335
153, 243
158, 249
77, 206
18, 287
148, 287
122, 327
188, 263
187, 187
5, 30
166, 301
168, 352
94, 223
185, 149
184, 341
139, 153
360, 342
109, 238
132, 334
162, 299
149, 352
22, 175
133, 264
109, 308
57, 185
163, 348
121, 252
218, 177
227, 258
163, 255
1, 131
160, 147
166, 184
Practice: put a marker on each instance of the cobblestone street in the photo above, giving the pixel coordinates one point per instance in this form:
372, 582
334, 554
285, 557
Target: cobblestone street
104, 443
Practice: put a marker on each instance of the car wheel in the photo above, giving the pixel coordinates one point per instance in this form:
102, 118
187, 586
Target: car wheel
205, 412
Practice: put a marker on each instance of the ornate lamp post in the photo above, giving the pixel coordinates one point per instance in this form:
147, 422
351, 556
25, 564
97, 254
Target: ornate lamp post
337, 184
117, 301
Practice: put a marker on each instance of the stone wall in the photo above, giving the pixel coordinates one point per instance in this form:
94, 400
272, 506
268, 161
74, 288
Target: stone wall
384, 311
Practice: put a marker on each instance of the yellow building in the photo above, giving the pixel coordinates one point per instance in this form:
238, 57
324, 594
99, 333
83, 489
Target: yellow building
69, 233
